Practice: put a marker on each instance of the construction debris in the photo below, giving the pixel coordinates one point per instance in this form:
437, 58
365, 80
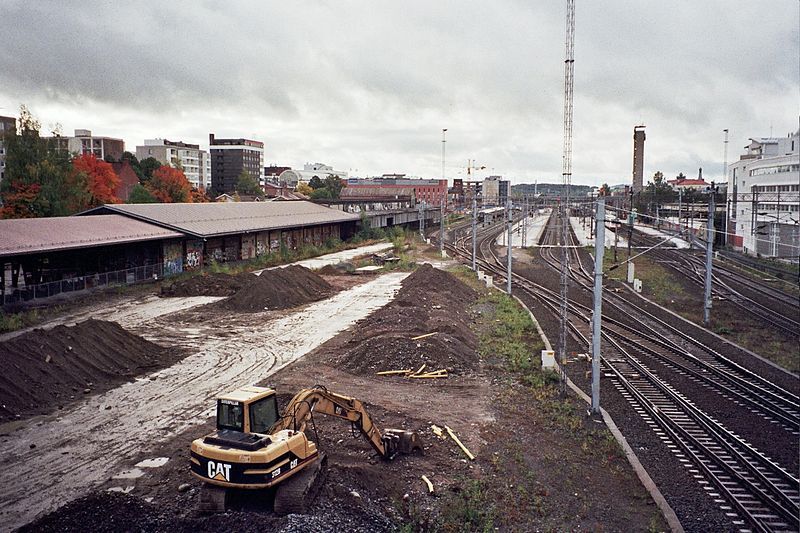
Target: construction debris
460, 445
391, 372
428, 482
437, 431
418, 337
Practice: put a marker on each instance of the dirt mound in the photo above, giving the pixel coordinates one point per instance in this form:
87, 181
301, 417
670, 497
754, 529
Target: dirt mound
45, 369
338, 269
430, 301
213, 284
279, 288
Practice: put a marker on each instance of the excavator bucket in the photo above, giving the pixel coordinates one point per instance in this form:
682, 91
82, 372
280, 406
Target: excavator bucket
401, 441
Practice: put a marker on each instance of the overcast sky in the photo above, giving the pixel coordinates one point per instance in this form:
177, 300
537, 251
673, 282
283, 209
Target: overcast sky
368, 86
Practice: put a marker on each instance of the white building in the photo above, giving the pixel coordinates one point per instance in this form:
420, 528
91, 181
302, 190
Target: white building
84, 142
764, 197
195, 162
310, 170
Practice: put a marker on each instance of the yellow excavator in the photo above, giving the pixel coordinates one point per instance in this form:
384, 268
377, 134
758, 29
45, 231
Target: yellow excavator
255, 448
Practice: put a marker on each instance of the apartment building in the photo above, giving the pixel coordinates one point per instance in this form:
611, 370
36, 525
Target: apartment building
8, 125
83, 142
195, 162
229, 157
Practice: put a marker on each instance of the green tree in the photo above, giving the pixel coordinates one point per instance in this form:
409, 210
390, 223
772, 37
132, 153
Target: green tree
32, 160
140, 195
248, 185
320, 193
134, 163
657, 192
147, 167
316, 183
334, 185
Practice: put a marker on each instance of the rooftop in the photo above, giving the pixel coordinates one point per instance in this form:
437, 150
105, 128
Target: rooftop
227, 218
22, 236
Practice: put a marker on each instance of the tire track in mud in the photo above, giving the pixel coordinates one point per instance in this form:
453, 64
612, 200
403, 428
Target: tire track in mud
84, 446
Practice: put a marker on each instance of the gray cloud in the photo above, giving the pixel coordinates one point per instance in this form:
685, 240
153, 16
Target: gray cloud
369, 85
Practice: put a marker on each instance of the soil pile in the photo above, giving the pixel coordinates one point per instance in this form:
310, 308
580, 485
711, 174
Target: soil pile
214, 284
278, 288
45, 369
430, 301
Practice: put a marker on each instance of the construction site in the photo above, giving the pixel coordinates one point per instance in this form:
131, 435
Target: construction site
100, 404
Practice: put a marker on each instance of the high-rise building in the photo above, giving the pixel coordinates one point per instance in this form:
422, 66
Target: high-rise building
638, 158
229, 157
83, 142
764, 197
8, 125
194, 161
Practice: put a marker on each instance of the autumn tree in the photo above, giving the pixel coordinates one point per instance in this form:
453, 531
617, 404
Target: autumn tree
20, 200
101, 180
198, 195
169, 185
248, 185
304, 188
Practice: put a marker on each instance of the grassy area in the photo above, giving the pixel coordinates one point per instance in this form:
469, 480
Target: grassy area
662, 285
533, 469
15, 321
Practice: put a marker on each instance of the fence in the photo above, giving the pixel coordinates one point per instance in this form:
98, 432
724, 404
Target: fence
128, 276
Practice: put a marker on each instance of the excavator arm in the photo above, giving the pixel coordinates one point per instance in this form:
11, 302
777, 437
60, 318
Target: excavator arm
318, 399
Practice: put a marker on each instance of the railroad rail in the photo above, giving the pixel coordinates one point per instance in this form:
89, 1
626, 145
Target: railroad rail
761, 495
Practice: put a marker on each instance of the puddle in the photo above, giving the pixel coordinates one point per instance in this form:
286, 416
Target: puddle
125, 490
153, 463
133, 473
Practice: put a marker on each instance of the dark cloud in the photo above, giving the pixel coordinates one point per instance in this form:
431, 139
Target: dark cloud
369, 85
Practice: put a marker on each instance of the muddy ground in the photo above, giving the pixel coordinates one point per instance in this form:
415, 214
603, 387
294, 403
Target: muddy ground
540, 464
93, 438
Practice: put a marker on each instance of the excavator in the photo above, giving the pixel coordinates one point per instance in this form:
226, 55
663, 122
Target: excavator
253, 447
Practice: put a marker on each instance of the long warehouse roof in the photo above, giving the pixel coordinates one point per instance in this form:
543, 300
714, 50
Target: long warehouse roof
227, 218
20, 236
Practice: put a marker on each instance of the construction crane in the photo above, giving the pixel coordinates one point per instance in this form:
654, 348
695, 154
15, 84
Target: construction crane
566, 180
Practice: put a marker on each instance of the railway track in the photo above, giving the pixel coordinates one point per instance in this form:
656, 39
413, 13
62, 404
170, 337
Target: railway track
754, 491
767, 303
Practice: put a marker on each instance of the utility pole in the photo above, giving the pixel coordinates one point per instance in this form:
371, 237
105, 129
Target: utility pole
680, 200
422, 220
444, 200
524, 221
566, 180
630, 226
509, 248
709, 252
728, 189
474, 228
599, 248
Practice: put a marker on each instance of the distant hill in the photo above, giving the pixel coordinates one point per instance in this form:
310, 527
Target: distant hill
550, 189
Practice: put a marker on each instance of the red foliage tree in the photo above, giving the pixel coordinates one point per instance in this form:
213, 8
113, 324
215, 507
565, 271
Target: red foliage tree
19, 200
199, 195
169, 185
101, 180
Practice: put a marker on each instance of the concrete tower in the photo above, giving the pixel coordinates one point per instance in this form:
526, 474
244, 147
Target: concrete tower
638, 158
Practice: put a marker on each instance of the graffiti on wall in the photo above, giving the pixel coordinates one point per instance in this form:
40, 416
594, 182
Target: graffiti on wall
194, 255
248, 246
173, 258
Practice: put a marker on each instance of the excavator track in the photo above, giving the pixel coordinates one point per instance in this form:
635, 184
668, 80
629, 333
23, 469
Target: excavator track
296, 494
213, 499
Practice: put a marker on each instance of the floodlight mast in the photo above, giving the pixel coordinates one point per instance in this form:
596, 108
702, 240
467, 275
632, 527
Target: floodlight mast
566, 180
